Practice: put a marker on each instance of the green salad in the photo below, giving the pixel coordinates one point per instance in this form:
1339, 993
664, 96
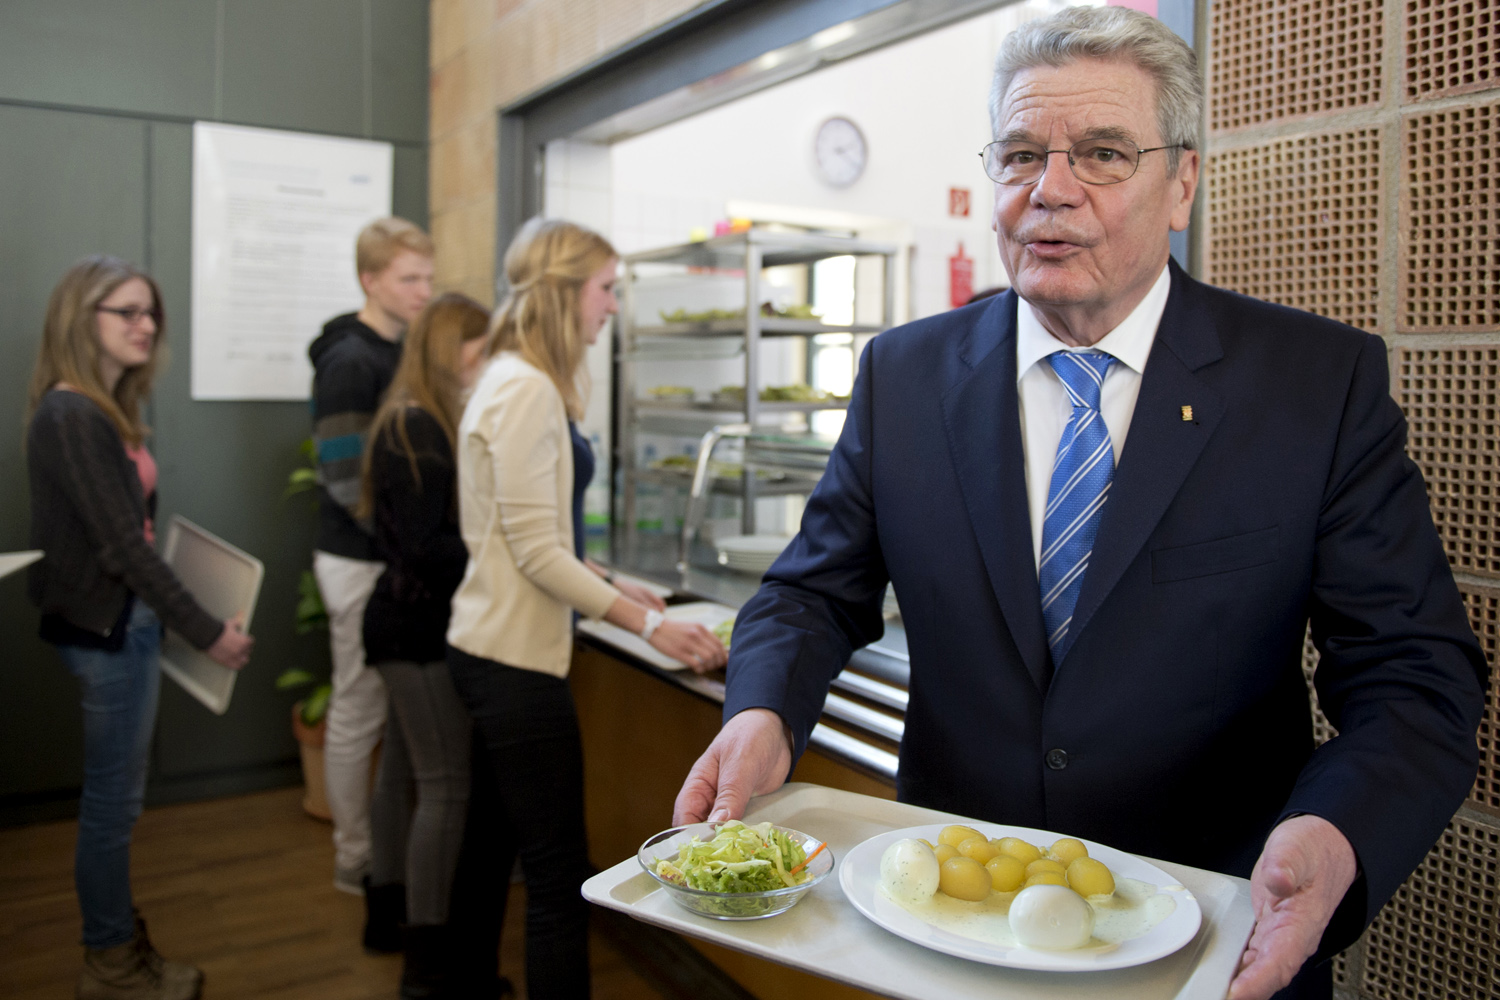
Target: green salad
740, 858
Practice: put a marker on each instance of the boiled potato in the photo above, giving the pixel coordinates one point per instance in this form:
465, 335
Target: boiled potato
1067, 850
930, 845
945, 852
1046, 877
1006, 873
1045, 865
964, 878
1089, 877
955, 835
1018, 849
977, 848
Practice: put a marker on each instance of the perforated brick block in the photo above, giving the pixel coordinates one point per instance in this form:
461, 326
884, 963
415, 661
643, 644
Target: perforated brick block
1323, 730
1450, 395
1298, 221
1450, 47
1343, 964
1483, 605
1449, 256
1437, 935
1274, 60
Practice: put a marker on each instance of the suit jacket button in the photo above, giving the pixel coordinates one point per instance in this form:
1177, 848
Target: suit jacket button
1057, 759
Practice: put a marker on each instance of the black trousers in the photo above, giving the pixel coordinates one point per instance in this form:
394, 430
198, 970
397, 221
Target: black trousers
528, 727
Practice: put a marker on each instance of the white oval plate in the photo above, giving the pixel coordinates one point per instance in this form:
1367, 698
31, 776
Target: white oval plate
859, 877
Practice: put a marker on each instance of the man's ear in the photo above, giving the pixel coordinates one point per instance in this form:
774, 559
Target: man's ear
1185, 185
366, 280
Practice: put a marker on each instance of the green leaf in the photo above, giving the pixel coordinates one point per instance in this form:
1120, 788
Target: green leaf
309, 451
316, 705
311, 614
300, 481
294, 677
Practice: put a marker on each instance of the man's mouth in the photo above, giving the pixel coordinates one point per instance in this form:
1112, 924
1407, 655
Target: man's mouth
1051, 248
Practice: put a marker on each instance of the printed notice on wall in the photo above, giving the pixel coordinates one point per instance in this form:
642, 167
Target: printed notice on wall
275, 216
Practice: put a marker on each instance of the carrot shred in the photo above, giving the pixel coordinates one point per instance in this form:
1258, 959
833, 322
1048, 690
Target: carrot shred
808, 858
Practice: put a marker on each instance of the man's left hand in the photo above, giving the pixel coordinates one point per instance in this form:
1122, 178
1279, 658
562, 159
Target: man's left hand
1300, 879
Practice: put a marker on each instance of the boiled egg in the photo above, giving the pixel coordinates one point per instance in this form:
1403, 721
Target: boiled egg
1051, 917
909, 870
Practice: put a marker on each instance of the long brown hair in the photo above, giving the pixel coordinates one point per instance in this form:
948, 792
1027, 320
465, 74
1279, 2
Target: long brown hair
427, 378
70, 345
547, 265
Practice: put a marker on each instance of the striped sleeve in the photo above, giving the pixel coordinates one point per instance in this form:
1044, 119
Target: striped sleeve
340, 441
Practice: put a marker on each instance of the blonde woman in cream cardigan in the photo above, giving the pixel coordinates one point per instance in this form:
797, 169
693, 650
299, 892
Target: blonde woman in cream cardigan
522, 470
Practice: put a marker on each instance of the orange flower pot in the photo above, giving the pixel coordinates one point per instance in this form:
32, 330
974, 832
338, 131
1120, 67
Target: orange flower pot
310, 743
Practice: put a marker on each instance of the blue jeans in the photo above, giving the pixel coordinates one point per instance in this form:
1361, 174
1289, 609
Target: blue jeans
119, 693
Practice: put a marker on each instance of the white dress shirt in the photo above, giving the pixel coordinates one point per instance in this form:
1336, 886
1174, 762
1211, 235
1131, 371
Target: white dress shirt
1045, 408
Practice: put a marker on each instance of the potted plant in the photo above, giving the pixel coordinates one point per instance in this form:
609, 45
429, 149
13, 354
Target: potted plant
309, 715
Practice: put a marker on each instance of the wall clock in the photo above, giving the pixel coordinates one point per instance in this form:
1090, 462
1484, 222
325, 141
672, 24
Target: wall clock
840, 151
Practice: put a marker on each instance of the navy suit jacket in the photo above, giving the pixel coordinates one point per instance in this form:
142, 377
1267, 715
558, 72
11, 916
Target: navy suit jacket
1180, 711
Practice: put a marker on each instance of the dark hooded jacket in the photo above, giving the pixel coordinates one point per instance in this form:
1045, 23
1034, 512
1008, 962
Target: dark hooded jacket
352, 367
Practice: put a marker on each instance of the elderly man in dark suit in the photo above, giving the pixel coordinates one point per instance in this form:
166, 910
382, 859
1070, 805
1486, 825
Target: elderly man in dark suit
1110, 502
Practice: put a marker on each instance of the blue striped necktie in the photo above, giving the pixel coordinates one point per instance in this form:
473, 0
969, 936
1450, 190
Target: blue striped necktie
1081, 475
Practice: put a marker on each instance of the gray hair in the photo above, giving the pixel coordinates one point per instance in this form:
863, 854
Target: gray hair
1111, 33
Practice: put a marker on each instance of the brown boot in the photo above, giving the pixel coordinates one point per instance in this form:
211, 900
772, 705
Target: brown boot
136, 971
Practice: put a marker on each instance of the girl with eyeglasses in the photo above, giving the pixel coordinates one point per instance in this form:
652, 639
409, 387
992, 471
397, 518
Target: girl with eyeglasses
104, 593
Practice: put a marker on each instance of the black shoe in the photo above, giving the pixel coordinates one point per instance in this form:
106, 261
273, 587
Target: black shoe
385, 912
424, 972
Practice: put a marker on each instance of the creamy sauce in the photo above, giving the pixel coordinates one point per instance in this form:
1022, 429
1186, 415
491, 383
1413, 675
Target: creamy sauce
1133, 909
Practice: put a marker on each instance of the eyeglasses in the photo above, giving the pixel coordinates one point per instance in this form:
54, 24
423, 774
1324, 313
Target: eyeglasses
133, 314
1093, 161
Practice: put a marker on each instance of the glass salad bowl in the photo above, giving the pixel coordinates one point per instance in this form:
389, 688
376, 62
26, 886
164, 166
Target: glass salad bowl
665, 846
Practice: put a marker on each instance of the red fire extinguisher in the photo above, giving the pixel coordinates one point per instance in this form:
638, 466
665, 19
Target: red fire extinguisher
960, 278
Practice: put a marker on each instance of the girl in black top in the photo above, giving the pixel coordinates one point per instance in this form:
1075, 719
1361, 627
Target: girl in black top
104, 592
410, 490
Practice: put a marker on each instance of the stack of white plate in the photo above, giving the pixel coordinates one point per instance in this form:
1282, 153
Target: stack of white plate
750, 553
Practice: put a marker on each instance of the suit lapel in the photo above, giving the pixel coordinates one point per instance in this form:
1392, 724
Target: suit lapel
1161, 447
982, 418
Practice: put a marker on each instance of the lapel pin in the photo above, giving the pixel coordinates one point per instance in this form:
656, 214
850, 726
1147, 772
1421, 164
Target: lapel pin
1187, 413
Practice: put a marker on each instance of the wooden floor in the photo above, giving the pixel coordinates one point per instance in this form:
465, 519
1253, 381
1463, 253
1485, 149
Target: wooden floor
240, 887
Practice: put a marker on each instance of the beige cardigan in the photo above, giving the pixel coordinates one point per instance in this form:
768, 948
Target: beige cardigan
515, 491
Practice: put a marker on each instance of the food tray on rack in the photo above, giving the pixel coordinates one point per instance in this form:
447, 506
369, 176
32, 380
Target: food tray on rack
826, 936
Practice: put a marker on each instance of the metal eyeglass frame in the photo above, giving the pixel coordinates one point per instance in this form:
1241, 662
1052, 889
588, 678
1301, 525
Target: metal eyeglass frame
1072, 164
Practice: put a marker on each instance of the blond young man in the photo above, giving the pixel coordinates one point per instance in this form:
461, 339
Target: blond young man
354, 359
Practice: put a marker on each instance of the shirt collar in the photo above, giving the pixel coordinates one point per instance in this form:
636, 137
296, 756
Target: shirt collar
1129, 343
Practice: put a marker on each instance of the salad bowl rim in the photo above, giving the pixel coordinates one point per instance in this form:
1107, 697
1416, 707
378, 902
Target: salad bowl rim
818, 868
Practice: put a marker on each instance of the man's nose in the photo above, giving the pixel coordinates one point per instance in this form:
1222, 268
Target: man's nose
1058, 185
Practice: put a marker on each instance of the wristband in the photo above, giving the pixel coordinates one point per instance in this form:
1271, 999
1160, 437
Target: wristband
653, 621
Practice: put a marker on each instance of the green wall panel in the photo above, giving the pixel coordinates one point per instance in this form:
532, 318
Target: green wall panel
293, 64
399, 73
224, 466
409, 184
80, 182
84, 183
151, 56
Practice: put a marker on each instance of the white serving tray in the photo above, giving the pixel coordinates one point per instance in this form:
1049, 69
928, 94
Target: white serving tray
10, 562
826, 936
705, 613
226, 582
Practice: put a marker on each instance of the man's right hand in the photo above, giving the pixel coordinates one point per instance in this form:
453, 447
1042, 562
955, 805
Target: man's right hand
751, 756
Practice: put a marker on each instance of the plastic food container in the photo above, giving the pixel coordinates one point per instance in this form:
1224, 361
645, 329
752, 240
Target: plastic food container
731, 905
